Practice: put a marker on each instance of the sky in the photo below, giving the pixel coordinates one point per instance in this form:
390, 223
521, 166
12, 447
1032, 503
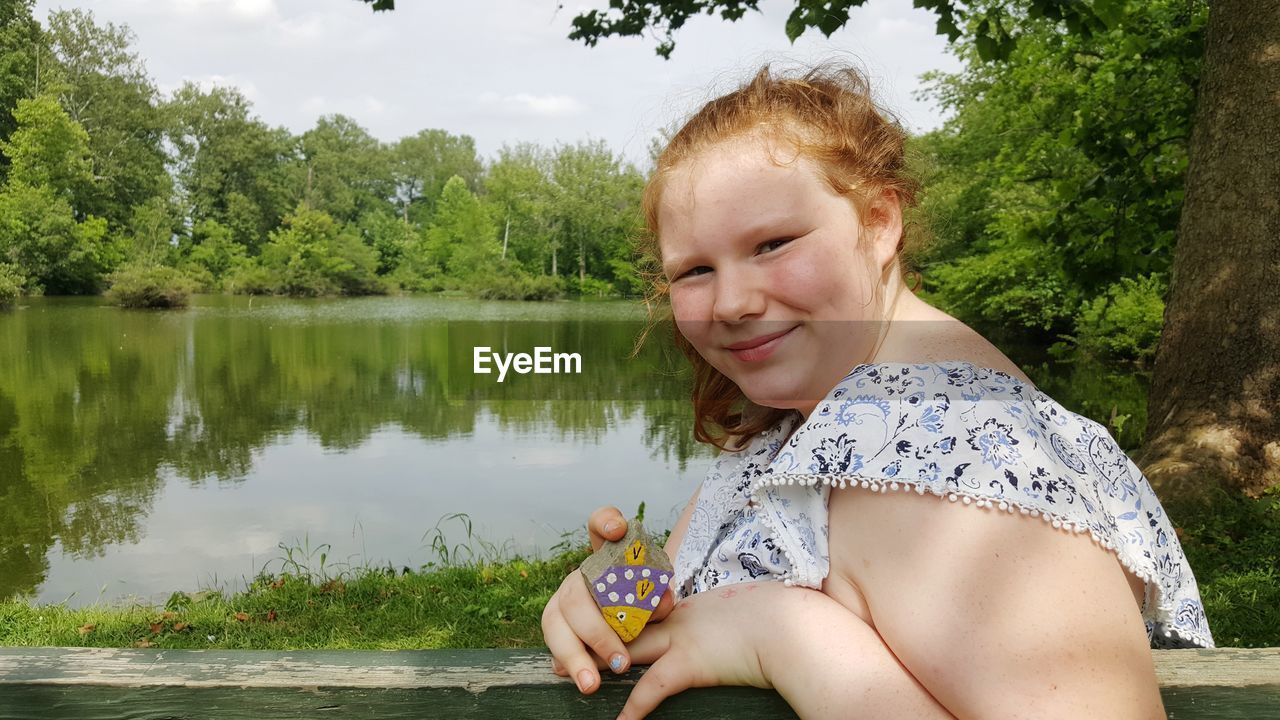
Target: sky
502, 71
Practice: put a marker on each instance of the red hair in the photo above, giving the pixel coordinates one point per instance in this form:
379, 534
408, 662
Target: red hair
827, 114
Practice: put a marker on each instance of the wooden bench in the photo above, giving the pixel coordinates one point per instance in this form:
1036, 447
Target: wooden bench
106, 684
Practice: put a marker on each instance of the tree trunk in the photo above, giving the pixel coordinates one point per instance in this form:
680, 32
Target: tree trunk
506, 234
1214, 406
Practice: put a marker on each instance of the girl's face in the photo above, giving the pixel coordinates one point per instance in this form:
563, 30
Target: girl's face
770, 279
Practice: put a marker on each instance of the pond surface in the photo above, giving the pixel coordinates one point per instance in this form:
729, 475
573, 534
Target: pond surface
144, 452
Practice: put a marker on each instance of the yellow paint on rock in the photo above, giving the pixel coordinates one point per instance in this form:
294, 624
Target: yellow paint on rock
626, 621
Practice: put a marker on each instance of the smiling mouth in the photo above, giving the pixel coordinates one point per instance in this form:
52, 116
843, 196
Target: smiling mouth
758, 348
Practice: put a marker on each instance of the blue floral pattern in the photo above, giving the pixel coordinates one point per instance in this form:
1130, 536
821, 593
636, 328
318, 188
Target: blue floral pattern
951, 429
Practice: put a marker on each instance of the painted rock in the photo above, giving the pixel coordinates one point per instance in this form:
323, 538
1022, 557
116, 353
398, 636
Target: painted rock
627, 579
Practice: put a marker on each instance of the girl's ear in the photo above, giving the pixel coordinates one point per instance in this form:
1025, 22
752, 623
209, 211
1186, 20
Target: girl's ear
884, 228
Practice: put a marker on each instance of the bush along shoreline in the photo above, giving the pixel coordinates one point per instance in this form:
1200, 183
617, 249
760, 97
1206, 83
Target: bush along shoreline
1233, 546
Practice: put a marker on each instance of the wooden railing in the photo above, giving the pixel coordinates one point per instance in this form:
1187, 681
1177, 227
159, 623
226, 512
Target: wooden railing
107, 684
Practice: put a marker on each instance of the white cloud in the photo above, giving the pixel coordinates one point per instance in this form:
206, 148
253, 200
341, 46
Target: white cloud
316, 105
900, 26
304, 30
550, 106
235, 9
253, 9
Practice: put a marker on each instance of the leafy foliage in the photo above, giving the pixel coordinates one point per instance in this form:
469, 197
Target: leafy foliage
1061, 174
48, 149
104, 86
312, 254
230, 167
991, 25
20, 41
56, 253
11, 281
1123, 324
149, 286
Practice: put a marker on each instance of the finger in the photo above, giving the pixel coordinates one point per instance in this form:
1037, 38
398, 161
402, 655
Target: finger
664, 678
584, 618
566, 648
606, 523
664, 606
652, 643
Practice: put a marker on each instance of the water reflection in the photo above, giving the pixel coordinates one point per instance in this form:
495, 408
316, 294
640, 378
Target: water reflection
118, 429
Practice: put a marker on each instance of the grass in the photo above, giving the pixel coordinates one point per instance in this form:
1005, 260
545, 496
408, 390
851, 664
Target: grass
1233, 546
475, 595
472, 596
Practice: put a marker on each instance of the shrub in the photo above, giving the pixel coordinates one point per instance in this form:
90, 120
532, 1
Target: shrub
1123, 323
149, 286
595, 287
11, 282
313, 254
250, 278
1012, 286
407, 280
518, 287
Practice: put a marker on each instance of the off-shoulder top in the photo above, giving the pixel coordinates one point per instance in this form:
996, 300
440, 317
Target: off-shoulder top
969, 434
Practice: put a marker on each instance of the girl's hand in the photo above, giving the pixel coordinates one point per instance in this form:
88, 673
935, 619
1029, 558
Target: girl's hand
575, 632
711, 638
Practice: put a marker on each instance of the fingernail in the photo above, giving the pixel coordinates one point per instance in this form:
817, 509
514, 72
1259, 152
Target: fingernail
615, 662
584, 680
610, 526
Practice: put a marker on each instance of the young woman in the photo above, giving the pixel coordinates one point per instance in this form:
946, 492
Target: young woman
950, 541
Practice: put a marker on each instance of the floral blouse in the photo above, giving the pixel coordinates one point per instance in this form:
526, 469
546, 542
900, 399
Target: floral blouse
969, 434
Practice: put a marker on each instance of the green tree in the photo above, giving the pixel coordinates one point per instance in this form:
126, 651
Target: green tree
993, 24
50, 150
212, 253
348, 172
232, 169
20, 42
1047, 187
390, 236
596, 209
462, 239
103, 85
313, 254
55, 247
151, 231
518, 185
57, 253
422, 163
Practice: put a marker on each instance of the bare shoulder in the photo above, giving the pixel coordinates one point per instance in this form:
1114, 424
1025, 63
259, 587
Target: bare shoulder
927, 334
991, 610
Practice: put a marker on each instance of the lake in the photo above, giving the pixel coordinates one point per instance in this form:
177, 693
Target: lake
144, 452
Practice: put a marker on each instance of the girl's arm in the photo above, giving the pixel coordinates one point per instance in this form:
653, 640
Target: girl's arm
827, 663
824, 660
996, 613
